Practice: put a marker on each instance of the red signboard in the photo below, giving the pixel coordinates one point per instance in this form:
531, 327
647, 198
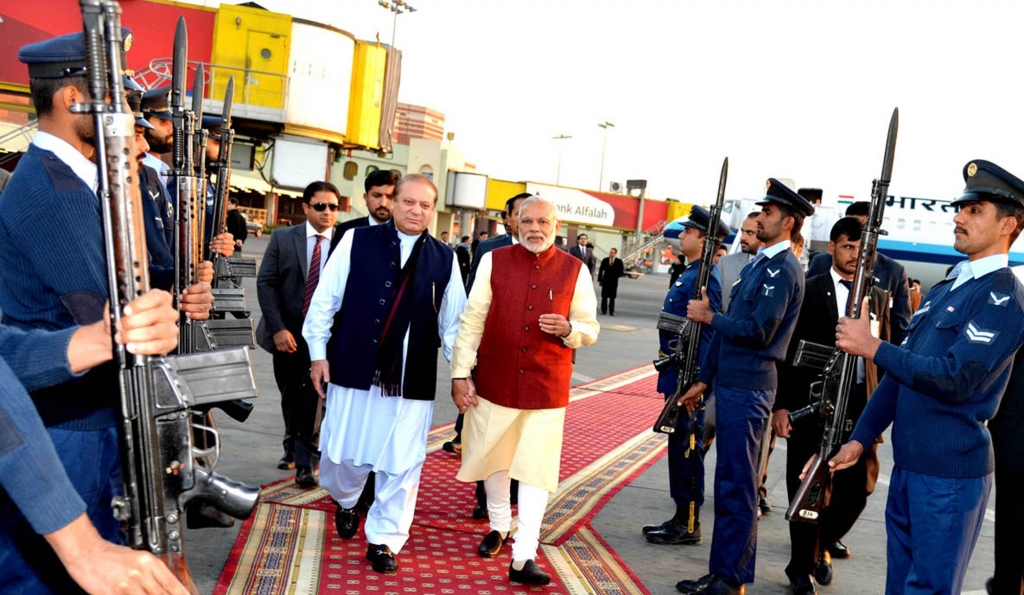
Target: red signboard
152, 23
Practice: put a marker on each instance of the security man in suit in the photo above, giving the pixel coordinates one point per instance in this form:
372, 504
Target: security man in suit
730, 265
585, 252
686, 464
824, 302
891, 275
380, 192
287, 278
750, 340
941, 387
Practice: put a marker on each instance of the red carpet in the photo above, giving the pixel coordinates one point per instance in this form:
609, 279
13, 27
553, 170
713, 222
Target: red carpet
290, 545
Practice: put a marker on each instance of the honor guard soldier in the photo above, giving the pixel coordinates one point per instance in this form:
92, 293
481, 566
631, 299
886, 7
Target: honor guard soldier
156, 107
750, 340
58, 286
686, 463
941, 387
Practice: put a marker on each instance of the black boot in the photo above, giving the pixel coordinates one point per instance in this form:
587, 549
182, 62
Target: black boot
681, 530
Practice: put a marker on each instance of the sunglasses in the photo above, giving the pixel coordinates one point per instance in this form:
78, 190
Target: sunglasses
323, 206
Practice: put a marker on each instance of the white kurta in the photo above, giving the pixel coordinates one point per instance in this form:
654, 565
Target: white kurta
387, 433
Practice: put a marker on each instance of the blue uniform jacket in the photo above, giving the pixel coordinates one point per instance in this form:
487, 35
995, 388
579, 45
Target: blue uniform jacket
946, 381
31, 474
54, 281
754, 335
679, 294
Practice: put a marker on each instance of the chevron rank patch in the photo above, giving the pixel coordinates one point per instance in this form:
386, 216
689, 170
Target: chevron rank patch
998, 298
977, 335
769, 290
772, 273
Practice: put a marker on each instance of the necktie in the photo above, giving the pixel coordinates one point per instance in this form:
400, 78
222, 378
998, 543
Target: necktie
314, 275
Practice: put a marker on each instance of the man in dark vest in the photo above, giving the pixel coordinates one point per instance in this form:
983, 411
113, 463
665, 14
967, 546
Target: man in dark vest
397, 294
514, 427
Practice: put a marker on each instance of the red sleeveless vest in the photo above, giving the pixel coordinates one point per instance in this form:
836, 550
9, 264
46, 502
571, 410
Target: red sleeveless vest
519, 365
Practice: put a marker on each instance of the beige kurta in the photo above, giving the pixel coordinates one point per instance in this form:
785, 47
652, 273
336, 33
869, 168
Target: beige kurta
525, 442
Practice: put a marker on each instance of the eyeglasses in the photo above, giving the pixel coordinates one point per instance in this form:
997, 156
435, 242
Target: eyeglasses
322, 206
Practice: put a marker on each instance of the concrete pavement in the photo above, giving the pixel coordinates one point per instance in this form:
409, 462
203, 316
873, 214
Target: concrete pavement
251, 451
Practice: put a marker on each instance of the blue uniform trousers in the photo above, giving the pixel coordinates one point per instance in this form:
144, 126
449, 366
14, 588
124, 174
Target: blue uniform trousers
741, 417
27, 563
686, 469
939, 519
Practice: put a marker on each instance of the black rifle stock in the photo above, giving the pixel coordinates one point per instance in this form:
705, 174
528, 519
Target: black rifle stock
686, 356
840, 372
159, 470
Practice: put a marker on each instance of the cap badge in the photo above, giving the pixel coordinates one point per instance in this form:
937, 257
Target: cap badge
128, 39
972, 170
768, 185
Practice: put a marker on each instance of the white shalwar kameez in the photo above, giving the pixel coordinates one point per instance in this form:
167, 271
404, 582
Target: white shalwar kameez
365, 431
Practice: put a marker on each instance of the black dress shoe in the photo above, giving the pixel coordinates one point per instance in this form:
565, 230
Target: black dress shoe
764, 505
346, 521
719, 587
839, 551
382, 558
490, 547
531, 574
452, 447
802, 585
480, 512
675, 533
689, 587
286, 463
823, 570
304, 477
651, 528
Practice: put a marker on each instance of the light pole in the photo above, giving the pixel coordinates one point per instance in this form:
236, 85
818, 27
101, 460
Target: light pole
558, 176
604, 146
398, 7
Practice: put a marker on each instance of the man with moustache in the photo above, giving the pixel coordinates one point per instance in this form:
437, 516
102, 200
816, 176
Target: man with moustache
729, 266
824, 302
379, 196
509, 238
511, 370
288, 275
397, 294
941, 387
751, 338
891, 276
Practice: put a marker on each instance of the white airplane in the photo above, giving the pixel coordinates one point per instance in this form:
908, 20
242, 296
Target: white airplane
919, 233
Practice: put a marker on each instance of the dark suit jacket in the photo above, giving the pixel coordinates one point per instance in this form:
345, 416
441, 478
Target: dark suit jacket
608, 275
281, 284
590, 260
891, 276
819, 315
485, 247
352, 224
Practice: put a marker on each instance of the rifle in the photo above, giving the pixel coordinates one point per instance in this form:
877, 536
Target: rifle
687, 350
226, 270
156, 394
839, 374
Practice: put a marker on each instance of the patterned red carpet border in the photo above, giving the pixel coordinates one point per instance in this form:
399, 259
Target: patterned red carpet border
293, 549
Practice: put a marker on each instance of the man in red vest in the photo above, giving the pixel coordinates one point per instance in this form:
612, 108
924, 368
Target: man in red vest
523, 365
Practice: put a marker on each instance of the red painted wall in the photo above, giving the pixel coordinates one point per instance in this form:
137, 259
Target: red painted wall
152, 25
